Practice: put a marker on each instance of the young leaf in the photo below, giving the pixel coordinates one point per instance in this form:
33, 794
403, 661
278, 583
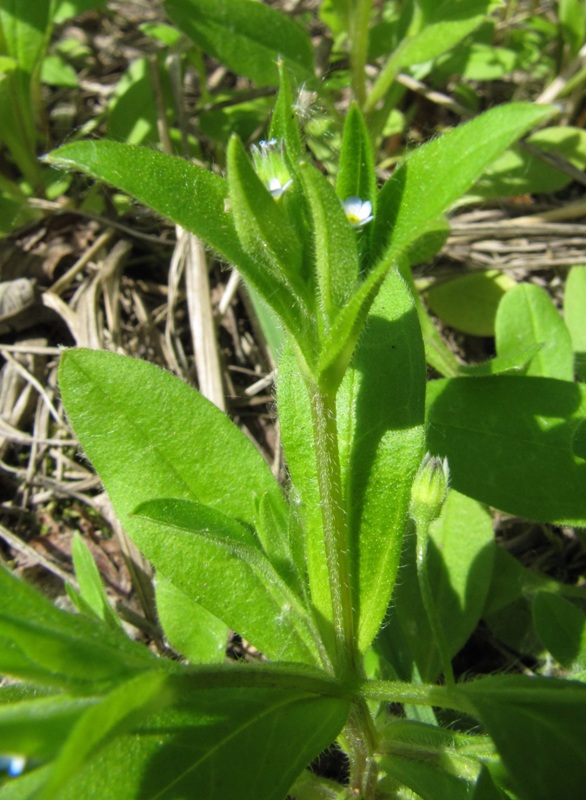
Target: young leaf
249, 37
188, 195
189, 628
262, 223
41, 643
575, 316
526, 316
356, 177
524, 428
217, 562
90, 583
537, 725
335, 244
284, 127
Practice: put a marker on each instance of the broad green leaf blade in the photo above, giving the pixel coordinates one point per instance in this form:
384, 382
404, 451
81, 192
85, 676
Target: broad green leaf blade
249, 37
523, 428
216, 561
527, 317
537, 725
561, 626
469, 302
336, 254
150, 435
190, 196
434, 176
460, 560
41, 643
575, 316
90, 583
188, 627
207, 744
380, 425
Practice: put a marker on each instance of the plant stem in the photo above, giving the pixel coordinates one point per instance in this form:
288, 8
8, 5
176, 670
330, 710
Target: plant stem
358, 32
414, 694
325, 431
362, 742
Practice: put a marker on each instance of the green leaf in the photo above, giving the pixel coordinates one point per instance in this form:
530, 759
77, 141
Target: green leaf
524, 428
356, 176
380, 425
41, 643
37, 727
263, 225
115, 405
526, 317
284, 127
575, 316
460, 560
537, 725
188, 195
249, 37
189, 628
336, 254
519, 171
440, 172
436, 175
132, 111
90, 583
210, 738
217, 562
562, 629
119, 710
469, 302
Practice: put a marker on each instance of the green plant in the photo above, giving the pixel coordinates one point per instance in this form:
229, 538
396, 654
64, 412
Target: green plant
307, 575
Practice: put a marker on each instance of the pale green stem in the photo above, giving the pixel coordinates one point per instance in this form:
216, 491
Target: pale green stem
359, 48
361, 740
323, 406
414, 694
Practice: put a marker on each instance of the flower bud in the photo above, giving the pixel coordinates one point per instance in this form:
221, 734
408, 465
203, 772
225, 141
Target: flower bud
429, 490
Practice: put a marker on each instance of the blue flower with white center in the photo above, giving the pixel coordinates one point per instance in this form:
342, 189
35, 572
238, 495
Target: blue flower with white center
13, 765
270, 166
358, 212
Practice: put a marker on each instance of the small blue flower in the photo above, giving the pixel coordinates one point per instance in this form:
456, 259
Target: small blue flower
13, 765
358, 212
270, 166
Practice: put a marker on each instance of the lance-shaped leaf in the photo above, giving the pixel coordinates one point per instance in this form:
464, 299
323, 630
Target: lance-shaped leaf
190, 196
39, 642
248, 37
356, 176
336, 255
380, 424
284, 127
428, 182
524, 428
206, 744
263, 225
219, 563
